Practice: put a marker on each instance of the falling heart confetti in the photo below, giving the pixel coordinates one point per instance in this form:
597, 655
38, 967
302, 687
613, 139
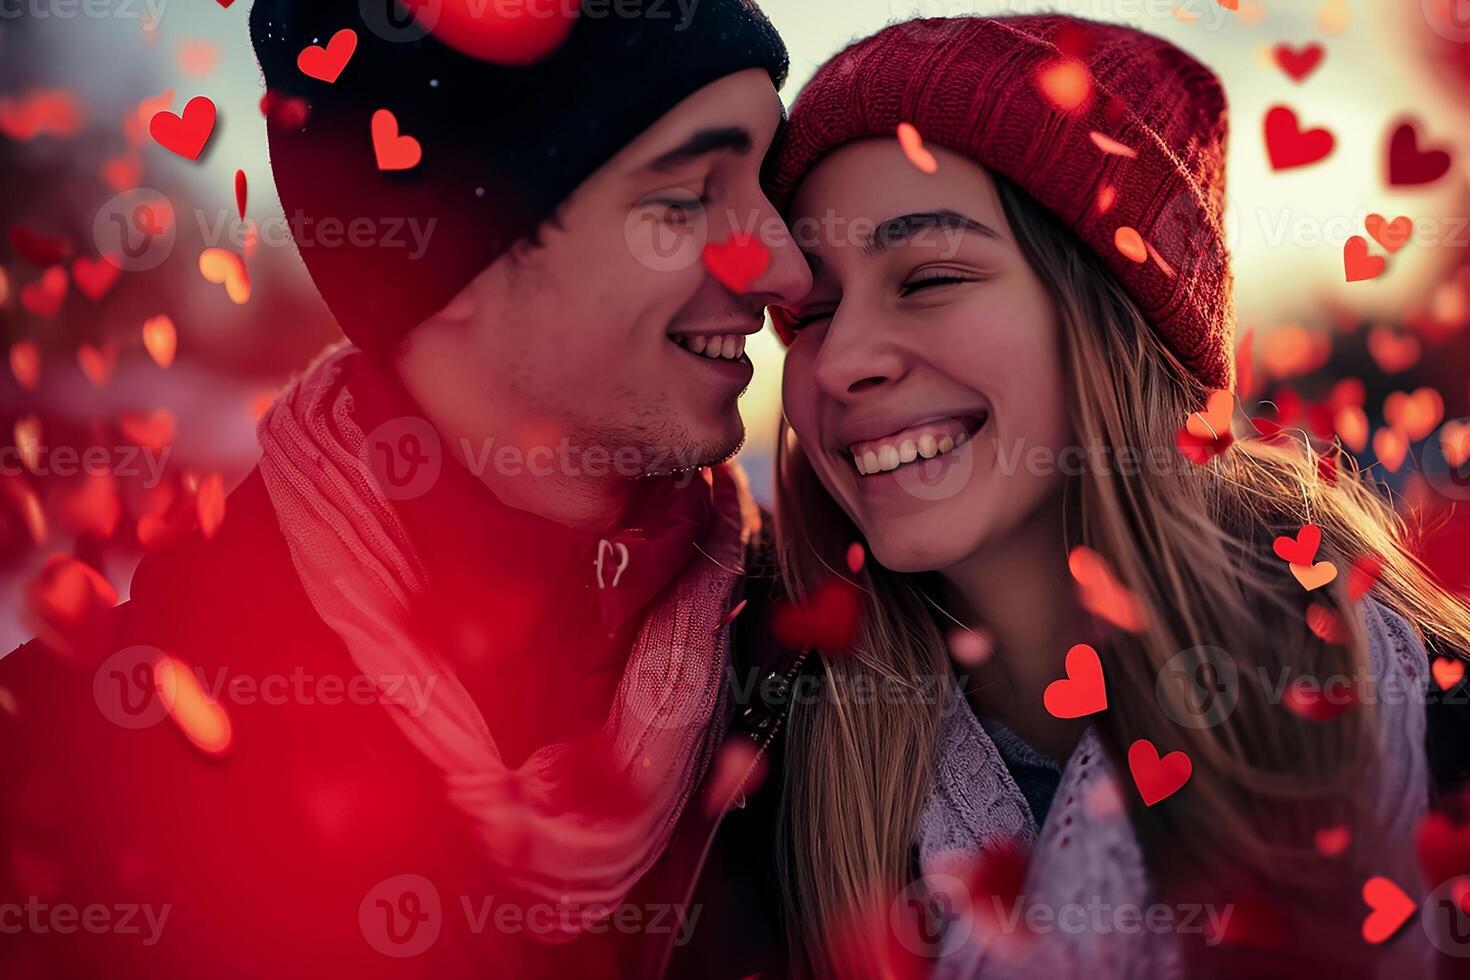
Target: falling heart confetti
1390, 907
1454, 442
1302, 549
1206, 434
187, 134
970, 647
210, 501
738, 261
1066, 83
1408, 166
97, 362
223, 266
1082, 692
392, 150
154, 431
96, 277
1130, 243
1390, 234
38, 249
240, 191
1306, 698
1157, 778
1111, 146
198, 716
1324, 623
1351, 423
856, 557
44, 297
1333, 841
1447, 673
28, 439
1298, 63
828, 621
123, 173
160, 339
1358, 265
1391, 351
25, 364
1288, 146
326, 63
505, 34
1416, 415
1333, 16
1102, 594
1391, 447
913, 148
197, 58
1363, 575
67, 601
1314, 577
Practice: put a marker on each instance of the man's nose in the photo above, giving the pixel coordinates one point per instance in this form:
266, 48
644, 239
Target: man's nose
788, 277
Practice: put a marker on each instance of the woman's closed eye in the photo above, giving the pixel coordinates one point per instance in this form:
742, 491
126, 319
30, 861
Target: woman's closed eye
934, 278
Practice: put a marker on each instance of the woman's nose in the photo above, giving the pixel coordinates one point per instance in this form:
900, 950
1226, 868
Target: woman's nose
856, 356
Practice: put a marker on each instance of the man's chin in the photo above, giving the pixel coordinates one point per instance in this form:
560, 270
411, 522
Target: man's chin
699, 452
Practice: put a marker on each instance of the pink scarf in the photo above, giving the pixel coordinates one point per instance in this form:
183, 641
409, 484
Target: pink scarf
668, 716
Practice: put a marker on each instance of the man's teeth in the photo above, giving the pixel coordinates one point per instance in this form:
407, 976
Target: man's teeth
729, 346
890, 455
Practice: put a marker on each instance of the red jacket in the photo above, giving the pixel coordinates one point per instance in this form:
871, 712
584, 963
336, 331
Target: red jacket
321, 843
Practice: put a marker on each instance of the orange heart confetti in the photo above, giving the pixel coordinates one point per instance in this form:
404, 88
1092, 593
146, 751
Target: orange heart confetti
1390, 446
1102, 594
1454, 440
211, 503
1390, 234
1351, 424
392, 150
1417, 414
197, 58
25, 364
1447, 673
152, 431
1333, 16
198, 716
160, 339
1111, 146
1313, 577
97, 362
1130, 243
1391, 351
67, 602
223, 266
1214, 421
913, 148
27, 433
1066, 83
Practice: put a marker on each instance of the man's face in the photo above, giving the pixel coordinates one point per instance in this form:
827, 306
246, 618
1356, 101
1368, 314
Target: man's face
592, 335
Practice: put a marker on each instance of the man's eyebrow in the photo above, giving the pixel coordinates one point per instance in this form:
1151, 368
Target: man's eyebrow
898, 231
731, 139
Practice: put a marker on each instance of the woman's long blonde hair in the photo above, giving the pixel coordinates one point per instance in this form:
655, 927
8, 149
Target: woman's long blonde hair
1195, 545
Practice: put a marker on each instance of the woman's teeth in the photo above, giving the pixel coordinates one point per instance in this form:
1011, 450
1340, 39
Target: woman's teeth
909, 446
729, 346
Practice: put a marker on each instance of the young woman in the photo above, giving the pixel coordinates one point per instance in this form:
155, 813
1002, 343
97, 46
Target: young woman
1001, 386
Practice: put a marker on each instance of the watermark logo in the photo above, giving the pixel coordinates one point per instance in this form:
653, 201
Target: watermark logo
401, 916
135, 229
933, 916
1444, 459
124, 689
1445, 917
1450, 19
406, 457
1199, 687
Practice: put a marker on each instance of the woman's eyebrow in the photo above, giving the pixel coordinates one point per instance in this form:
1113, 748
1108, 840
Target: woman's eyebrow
906, 227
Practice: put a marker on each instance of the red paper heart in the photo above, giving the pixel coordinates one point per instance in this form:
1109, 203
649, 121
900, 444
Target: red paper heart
1363, 575
1082, 691
1324, 623
828, 621
1358, 264
1201, 450
1298, 64
1408, 166
738, 261
95, 277
1157, 778
185, 135
393, 151
326, 63
505, 34
1302, 549
1390, 234
1390, 909
283, 111
1289, 146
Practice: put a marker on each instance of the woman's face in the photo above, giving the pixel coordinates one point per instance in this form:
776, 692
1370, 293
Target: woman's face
924, 383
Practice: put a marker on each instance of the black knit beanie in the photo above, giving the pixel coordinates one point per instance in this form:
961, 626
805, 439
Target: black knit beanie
502, 145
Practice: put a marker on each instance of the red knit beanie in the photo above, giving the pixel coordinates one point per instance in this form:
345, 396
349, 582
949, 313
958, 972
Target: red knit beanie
979, 86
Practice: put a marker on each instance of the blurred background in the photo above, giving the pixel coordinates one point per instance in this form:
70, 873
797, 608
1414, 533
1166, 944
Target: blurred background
137, 362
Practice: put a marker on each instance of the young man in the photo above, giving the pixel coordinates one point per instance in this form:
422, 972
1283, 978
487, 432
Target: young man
448, 693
